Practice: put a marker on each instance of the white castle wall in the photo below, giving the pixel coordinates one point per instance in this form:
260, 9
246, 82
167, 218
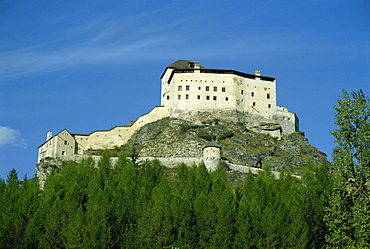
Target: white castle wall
169, 162
62, 146
196, 90
118, 135
78, 143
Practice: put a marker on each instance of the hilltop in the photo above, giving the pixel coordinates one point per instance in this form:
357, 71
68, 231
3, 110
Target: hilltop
240, 143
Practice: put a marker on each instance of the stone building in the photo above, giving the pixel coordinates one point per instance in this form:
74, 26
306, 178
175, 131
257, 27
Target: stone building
212, 155
187, 89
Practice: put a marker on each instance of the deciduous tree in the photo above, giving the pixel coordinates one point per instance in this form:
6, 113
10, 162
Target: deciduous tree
348, 216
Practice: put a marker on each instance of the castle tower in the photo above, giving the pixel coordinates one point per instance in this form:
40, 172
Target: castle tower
212, 155
49, 135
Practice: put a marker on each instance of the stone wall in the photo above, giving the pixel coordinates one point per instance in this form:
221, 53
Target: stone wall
202, 90
118, 135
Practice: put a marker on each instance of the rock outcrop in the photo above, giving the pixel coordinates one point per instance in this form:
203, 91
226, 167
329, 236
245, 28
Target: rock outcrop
241, 144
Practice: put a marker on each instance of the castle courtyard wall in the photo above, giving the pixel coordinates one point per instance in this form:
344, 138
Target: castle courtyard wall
118, 135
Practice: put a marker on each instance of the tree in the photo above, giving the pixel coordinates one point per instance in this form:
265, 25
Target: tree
352, 153
348, 214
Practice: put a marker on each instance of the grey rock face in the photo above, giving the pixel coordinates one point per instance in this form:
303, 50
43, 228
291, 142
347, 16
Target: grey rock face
244, 143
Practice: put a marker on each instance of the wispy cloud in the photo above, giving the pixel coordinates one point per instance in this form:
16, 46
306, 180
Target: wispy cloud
91, 41
9, 136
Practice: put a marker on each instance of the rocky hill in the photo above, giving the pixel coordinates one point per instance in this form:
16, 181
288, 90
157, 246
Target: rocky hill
241, 144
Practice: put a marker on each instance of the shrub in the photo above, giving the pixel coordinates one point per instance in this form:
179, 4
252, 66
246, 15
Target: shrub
185, 127
206, 136
226, 134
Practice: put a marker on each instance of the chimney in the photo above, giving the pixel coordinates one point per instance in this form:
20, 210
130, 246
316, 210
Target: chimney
257, 72
49, 135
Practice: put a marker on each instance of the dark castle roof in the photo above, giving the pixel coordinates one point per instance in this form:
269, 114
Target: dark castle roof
212, 144
183, 64
187, 66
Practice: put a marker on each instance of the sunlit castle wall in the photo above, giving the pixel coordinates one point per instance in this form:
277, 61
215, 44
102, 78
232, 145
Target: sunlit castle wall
187, 85
61, 146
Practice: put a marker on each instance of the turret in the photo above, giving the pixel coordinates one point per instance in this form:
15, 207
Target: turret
212, 155
49, 135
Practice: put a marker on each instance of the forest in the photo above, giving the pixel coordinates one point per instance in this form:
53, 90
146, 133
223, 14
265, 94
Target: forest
141, 204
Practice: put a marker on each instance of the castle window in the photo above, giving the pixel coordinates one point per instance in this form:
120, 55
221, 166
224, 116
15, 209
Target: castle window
226, 99
269, 105
254, 104
199, 88
207, 97
179, 97
63, 153
214, 97
187, 96
198, 97
207, 88
252, 94
168, 97
268, 96
179, 88
223, 89
187, 88
242, 92
215, 88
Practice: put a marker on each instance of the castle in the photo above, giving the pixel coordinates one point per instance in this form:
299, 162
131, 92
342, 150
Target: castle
188, 88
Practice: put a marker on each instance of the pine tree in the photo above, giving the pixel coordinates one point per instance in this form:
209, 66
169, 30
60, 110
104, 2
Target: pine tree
224, 200
156, 224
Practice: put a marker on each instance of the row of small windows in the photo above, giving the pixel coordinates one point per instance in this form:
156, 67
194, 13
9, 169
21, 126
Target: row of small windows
268, 95
223, 89
215, 88
199, 81
198, 97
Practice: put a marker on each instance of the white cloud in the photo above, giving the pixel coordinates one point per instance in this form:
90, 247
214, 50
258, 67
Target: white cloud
9, 136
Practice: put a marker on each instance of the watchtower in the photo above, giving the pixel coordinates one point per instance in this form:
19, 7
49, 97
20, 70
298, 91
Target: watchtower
211, 155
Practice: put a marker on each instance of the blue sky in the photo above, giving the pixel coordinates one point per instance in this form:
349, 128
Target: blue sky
93, 65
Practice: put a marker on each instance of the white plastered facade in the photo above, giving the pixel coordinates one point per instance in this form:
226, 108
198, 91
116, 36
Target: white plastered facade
204, 89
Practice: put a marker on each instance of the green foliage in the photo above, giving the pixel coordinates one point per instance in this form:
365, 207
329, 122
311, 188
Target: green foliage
185, 127
129, 205
226, 134
348, 213
352, 153
206, 136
